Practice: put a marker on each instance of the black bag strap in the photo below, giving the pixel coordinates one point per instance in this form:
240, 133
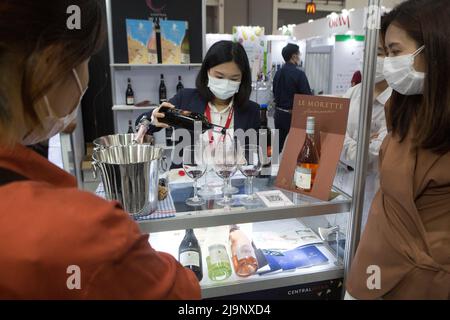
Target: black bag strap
8, 176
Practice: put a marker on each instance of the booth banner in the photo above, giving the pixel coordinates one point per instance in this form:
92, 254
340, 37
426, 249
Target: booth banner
254, 43
347, 59
330, 126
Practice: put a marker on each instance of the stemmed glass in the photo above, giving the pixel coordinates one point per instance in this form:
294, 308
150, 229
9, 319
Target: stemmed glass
195, 167
225, 165
208, 191
228, 188
251, 167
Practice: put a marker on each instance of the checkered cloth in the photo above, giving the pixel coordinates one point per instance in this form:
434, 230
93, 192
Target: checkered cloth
166, 208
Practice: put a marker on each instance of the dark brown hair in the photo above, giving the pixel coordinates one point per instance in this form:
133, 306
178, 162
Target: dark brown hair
37, 49
427, 22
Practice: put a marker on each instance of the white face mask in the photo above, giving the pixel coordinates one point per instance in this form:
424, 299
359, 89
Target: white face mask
222, 88
379, 76
401, 75
50, 123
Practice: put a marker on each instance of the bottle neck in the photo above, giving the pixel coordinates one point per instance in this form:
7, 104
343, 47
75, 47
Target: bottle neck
189, 232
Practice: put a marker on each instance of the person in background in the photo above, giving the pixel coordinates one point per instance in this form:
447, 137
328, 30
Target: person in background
51, 230
356, 79
404, 252
288, 81
222, 92
378, 131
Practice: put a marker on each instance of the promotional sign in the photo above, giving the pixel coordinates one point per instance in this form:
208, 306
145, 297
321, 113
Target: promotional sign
330, 126
254, 43
347, 59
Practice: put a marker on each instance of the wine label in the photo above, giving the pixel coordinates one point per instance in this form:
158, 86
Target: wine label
244, 251
302, 178
190, 258
130, 101
218, 254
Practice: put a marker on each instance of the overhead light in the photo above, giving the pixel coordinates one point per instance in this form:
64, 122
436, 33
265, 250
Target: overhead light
310, 20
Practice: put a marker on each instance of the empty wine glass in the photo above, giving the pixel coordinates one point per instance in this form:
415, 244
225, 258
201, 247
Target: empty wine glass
208, 190
195, 167
225, 165
251, 158
229, 135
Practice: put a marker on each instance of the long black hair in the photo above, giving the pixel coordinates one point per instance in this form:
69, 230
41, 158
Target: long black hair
223, 52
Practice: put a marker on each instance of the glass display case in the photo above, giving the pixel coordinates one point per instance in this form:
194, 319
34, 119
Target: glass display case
299, 223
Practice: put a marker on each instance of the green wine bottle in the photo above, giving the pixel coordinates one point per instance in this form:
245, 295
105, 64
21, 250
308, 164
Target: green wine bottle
218, 262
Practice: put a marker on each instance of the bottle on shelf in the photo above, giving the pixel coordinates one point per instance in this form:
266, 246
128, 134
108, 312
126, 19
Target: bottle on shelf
307, 160
218, 262
129, 94
190, 254
186, 119
185, 47
265, 136
179, 85
130, 127
158, 40
243, 254
162, 91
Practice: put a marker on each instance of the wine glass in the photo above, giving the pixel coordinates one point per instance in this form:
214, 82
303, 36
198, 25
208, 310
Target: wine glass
225, 165
195, 167
251, 156
229, 135
208, 189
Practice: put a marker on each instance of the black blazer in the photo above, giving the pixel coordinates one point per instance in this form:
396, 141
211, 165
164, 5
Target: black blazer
245, 117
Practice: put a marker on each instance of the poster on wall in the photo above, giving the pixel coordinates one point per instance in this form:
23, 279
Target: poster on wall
141, 41
254, 43
175, 46
347, 59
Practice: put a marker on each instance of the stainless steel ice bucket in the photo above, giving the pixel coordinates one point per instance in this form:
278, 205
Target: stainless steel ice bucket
119, 140
130, 176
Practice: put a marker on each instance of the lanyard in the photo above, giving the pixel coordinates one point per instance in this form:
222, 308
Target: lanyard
208, 116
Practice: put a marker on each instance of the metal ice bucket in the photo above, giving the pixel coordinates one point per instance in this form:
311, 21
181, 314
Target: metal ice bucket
119, 140
130, 176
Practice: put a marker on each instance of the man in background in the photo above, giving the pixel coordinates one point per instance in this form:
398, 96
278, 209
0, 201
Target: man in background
288, 81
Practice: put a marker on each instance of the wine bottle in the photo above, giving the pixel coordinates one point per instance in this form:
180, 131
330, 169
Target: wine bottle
185, 48
307, 160
158, 40
162, 91
179, 85
218, 262
130, 126
265, 136
243, 254
129, 94
186, 119
190, 254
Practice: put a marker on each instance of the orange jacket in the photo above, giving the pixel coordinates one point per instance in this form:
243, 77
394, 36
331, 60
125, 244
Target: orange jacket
48, 225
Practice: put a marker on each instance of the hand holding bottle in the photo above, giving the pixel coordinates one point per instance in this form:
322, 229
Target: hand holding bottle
156, 115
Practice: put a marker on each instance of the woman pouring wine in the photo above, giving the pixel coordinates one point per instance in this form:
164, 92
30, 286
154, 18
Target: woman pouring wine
221, 95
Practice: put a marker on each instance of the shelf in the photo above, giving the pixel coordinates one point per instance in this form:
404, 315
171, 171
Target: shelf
126, 65
169, 242
277, 280
186, 218
132, 108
